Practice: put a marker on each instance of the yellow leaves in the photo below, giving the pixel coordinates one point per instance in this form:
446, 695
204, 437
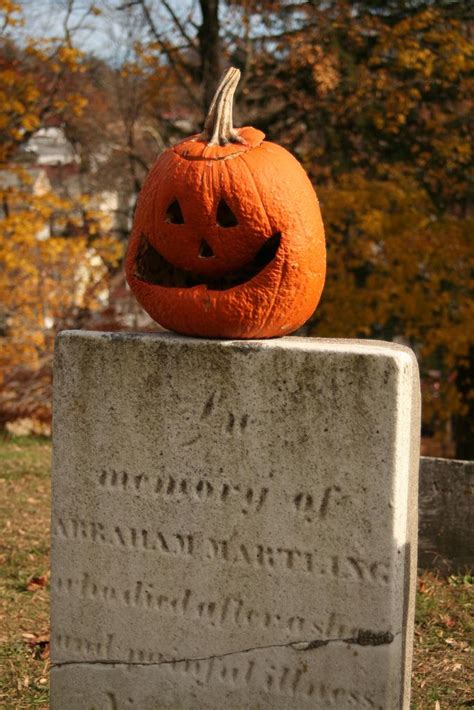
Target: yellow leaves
325, 73
397, 267
7, 6
109, 249
68, 55
30, 123
415, 24
79, 104
34, 85
132, 69
378, 120
8, 10
455, 150
8, 77
322, 63
424, 49
416, 59
372, 223
44, 278
73, 101
71, 57
18, 108
56, 54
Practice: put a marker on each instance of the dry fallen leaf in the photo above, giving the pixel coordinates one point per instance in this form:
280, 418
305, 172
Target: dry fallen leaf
448, 621
421, 586
36, 583
39, 643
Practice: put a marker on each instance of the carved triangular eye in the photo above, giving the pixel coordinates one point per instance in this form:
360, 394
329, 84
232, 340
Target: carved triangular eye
225, 216
174, 214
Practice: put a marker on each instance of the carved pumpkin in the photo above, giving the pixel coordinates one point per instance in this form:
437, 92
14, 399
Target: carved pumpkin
227, 239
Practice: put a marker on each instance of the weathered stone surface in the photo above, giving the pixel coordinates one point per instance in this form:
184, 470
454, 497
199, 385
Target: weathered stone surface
234, 523
339, 676
446, 523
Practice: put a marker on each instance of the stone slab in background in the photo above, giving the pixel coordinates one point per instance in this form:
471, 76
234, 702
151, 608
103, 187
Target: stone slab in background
446, 500
234, 523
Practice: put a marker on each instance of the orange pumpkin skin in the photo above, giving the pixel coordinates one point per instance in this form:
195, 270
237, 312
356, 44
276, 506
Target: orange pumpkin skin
271, 197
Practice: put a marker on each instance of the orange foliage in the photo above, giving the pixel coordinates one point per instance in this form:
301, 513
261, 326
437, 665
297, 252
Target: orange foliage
45, 281
378, 105
375, 100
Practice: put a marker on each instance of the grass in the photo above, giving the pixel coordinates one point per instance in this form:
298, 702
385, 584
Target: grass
24, 565
442, 668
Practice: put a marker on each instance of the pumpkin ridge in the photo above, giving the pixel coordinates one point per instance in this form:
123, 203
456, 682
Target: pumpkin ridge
257, 192
238, 153
283, 269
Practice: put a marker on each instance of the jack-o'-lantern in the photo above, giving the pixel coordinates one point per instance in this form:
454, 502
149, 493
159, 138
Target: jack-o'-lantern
227, 239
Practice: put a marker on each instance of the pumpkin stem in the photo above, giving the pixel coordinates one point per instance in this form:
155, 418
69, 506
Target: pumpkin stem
218, 126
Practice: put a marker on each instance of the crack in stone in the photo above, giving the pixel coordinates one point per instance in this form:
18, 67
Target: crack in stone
363, 638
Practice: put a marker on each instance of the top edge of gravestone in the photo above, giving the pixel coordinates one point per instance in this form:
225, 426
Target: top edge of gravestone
448, 465
287, 343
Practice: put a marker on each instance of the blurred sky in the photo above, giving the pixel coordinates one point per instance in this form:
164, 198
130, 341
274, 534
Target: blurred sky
107, 34
111, 34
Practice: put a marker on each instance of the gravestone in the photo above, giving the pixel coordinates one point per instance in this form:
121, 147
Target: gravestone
446, 515
234, 523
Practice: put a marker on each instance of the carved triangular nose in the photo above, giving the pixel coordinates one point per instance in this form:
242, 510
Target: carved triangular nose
205, 250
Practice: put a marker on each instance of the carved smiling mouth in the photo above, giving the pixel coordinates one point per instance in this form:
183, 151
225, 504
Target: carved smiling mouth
154, 269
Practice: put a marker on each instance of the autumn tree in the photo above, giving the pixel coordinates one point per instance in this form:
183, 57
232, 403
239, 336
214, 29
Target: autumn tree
46, 281
375, 99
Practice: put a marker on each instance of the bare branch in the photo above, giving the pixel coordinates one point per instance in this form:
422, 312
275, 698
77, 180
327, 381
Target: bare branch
191, 41
174, 61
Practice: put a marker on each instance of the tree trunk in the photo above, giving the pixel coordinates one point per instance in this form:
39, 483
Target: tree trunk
209, 48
